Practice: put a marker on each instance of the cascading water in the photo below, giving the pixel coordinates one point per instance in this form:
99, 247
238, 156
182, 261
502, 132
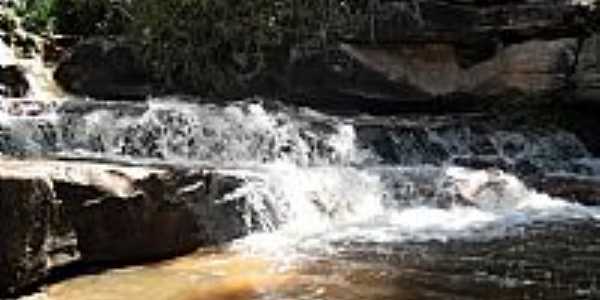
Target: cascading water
324, 186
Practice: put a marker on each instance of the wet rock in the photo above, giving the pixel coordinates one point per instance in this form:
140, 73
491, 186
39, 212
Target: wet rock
111, 213
105, 69
161, 214
25, 107
483, 162
12, 81
577, 188
426, 71
24, 225
587, 76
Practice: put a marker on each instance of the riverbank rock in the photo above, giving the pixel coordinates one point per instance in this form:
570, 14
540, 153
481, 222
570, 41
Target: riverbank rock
12, 81
449, 49
24, 225
56, 212
398, 56
104, 69
587, 77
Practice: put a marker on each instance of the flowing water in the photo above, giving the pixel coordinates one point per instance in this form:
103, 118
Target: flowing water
361, 207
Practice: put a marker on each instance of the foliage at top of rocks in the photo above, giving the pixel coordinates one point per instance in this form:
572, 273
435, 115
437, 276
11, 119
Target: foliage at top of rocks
77, 17
216, 46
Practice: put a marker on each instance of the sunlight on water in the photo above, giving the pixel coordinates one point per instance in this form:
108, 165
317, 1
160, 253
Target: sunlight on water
202, 276
314, 189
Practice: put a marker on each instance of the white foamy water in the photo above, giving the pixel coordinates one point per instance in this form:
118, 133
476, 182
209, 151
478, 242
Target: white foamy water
494, 204
236, 135
308, 179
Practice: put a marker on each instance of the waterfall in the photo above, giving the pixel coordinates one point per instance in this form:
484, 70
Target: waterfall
315, 179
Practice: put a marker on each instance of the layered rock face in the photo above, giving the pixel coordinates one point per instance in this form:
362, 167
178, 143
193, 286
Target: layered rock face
422, 50
401, 52
110, 213
12, 79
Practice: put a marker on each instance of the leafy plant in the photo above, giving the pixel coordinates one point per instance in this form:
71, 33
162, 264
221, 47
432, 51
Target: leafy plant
37, 14
215, 46
78, 17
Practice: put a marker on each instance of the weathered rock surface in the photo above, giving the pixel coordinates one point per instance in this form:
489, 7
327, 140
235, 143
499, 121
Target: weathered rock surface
402, 52
587, 77
24, 225
436, 49
582, 189
112, 213
103, 69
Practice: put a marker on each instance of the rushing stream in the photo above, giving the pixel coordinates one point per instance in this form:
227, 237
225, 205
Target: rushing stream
362, 207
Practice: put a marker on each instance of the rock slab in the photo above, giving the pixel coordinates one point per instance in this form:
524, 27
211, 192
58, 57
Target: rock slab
111, 213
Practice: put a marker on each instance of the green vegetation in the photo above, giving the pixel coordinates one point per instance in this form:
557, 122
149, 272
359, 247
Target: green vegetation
204, 46
80, 17
218, 45
209, 46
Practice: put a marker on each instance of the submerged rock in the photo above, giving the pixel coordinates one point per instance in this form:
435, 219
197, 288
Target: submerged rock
112, 213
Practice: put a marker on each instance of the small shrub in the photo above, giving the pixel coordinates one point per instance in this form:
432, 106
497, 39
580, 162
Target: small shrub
76, 17
216, 46
37, 14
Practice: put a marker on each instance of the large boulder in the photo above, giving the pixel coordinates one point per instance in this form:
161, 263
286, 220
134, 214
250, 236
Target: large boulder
105, 69
24, 225
13, 82
56, 212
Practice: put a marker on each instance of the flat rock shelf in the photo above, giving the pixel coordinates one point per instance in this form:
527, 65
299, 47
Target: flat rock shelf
54, 212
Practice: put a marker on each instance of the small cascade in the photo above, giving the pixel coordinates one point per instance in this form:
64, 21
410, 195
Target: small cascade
315, 191
310, 179
30, 88
475, 141
236, 135
43, 88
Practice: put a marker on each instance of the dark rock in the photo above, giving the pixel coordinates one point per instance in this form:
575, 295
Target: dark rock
12, 81
482, 162
467, 21
24, 225
105, 69
56, 212
427, 71
577, 188
587, 76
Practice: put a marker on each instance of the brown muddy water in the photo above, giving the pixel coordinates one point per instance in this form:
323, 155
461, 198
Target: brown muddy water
544, 261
